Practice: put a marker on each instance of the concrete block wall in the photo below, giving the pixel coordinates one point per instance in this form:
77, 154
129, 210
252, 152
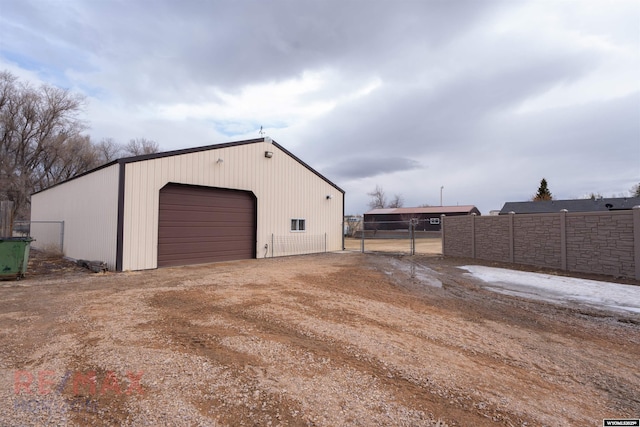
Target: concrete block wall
609, 238
537, 240
491, 238
458, 239
594, 242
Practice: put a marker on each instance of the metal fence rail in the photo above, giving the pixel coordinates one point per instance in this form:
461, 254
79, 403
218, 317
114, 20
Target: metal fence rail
404, 233
298, 244
48, 235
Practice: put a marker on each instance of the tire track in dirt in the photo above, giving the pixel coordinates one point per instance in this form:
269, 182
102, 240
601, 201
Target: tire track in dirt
419, 395
331, 339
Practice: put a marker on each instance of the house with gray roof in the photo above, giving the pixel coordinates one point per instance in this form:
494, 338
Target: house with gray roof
573, 205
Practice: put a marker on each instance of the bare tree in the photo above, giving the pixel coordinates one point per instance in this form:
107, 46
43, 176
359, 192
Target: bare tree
38, 128
378, 198
396, 202
354, 224
635, 190
140, 146
76, 156
42, 141
108, 150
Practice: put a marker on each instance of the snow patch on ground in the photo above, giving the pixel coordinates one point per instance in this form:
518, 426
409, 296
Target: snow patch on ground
418, 272
558, 289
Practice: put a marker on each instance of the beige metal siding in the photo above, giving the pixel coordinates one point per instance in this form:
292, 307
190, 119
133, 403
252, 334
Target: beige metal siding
89, 208
284, 188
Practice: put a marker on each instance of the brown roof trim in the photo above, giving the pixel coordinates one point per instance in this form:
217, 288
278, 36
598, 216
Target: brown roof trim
187, 151
308, 167
106, 165
143, 157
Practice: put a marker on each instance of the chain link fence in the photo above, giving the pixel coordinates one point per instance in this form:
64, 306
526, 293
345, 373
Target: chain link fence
48, 235
409, 237
296, 244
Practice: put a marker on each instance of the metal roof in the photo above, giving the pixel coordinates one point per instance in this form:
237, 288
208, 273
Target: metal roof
573, 205
424, 210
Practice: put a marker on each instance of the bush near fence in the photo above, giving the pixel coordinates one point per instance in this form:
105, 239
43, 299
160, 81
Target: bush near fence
586, 242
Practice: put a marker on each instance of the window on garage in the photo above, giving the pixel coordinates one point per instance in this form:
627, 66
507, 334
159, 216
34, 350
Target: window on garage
298, 224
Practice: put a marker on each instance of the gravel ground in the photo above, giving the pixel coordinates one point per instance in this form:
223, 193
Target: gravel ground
320, 340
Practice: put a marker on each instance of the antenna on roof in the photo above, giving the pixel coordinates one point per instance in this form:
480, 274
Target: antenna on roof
263, 134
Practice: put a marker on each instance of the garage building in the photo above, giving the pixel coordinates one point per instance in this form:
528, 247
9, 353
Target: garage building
427, 218
239, 200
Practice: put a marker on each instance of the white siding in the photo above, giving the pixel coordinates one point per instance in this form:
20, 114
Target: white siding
284, 188
89, 208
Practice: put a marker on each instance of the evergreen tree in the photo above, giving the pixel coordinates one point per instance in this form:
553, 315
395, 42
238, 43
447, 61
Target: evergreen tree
543, 192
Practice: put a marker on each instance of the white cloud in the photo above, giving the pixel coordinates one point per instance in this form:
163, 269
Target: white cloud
285, 102
485, 97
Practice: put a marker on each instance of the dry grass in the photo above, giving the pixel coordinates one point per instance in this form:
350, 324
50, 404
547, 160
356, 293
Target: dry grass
51, 251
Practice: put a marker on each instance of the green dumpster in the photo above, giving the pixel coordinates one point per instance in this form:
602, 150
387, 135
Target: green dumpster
14, 256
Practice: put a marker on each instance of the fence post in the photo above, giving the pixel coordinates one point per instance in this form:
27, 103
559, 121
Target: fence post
511, 238
413, 239
362, 235
61, 236
442, 234
563, 238
412, 236
473, 235
636, 239
6, 218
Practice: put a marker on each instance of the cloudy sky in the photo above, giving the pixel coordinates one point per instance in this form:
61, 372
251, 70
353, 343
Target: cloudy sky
483, 98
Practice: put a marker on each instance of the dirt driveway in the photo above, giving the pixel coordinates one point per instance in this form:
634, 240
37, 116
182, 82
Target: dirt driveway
423, 246
320, 340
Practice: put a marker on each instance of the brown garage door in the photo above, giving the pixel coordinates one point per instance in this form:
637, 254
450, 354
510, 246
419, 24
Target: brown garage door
204, 224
